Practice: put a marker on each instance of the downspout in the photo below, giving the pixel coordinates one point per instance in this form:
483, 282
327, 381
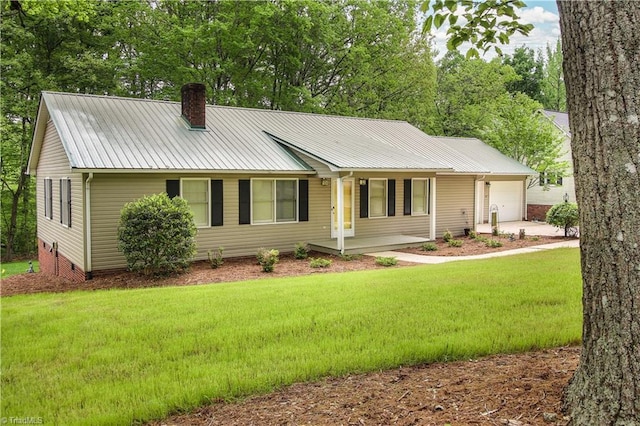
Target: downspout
432, 225
87, 223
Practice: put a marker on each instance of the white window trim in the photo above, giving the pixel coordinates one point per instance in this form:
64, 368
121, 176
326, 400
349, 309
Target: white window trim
426, 197
48, 198
65, 212
208, 186
275, 201
386, 198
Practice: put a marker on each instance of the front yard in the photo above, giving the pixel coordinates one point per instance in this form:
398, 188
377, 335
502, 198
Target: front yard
119, 356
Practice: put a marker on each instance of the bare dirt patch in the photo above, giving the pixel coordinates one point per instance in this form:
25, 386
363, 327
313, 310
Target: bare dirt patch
519, 389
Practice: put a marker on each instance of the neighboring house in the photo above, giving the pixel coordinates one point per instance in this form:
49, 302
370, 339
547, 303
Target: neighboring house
253, 178
552, 189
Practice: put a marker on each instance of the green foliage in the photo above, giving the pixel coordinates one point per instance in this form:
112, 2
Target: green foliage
301, 250
530, 70
447, 236
486, 23
429, 247
181, 347
215, 258
473, 235
386, 261
455, 243
267, 258
319, 262
493, 243
554, 93
563, 215
156, 234
350, 257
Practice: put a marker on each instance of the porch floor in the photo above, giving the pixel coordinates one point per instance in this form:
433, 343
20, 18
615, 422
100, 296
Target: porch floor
356, 245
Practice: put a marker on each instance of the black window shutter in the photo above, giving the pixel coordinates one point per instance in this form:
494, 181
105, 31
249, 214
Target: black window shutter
541, 179
244, 195
407, 197
216, 203
559, 180
391, 197
173, 188
364, 200
303, 200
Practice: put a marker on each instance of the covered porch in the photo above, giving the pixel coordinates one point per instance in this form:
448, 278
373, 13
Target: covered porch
356, 245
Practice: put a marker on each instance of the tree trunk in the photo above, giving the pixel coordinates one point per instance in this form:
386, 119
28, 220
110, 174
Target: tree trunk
601, 44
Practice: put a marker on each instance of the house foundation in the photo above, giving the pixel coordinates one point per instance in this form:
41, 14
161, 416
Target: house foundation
54, 263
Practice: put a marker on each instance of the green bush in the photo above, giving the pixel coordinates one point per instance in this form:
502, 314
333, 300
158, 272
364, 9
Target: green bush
447, 236
157, 234
215, 258
386, 261
268, 259
493, 243
350, 257
473, 235
301, 250
429, 247
319, 262
563, 215
455, 243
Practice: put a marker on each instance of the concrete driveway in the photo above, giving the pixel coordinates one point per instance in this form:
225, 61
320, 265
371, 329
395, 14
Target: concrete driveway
530, 228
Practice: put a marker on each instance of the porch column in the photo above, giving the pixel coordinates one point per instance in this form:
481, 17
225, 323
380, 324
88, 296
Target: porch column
340, 214
432, 194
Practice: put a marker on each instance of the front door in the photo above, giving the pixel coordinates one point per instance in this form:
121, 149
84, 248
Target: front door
348, 198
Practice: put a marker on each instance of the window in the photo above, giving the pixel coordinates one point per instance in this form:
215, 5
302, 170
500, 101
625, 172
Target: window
196, 192
550, 178
377, 197
420, 196
48, 198
274, 200
65, 202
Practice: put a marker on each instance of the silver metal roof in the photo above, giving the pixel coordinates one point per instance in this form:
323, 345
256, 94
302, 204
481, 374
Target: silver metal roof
113, 133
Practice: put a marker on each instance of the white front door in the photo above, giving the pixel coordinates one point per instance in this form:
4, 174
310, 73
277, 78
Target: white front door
348, 198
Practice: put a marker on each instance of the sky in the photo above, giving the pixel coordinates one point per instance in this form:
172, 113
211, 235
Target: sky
543, 14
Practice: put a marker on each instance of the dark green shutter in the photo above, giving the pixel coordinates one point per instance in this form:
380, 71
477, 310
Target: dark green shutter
217, 210
364, 200
173, 188
407, 197
391, 197
303, 200
244, 195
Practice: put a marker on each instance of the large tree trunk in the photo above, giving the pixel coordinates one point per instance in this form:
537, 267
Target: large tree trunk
601, 45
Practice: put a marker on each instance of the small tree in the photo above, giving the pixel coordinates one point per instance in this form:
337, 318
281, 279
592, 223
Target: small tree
157, 234
563, 215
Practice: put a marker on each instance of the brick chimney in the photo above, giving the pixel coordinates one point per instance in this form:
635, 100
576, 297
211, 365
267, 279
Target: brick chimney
194, 105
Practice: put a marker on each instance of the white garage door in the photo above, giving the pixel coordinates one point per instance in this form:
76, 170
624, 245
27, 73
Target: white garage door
508, 197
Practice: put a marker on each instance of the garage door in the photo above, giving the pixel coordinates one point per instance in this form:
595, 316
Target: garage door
508, 197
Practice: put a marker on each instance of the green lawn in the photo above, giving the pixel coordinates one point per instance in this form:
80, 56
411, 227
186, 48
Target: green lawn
114, 357
14, 268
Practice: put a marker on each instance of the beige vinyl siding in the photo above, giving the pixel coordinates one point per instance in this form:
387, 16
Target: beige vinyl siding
55, 165
392, 225
111, 192
453, 195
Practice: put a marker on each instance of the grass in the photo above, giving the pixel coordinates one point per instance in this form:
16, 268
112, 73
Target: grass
121, 356
14, 268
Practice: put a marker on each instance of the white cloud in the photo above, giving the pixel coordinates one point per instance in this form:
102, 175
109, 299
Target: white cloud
538, 15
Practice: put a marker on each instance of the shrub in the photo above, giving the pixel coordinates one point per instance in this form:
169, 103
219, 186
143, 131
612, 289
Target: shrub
319, 262
350, 257
563, 215
429, 247
215, 259
447, 236
455, 243
156, 234
268, 259
301, 250
495, 231
473, 235
386, 261
493, 243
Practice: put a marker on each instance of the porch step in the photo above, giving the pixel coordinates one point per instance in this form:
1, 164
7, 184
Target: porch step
355, 245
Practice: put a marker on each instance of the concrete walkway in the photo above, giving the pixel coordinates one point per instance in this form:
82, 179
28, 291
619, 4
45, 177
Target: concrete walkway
418, 258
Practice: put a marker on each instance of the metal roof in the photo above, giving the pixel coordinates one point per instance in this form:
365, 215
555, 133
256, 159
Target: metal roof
560, 119
120, 134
